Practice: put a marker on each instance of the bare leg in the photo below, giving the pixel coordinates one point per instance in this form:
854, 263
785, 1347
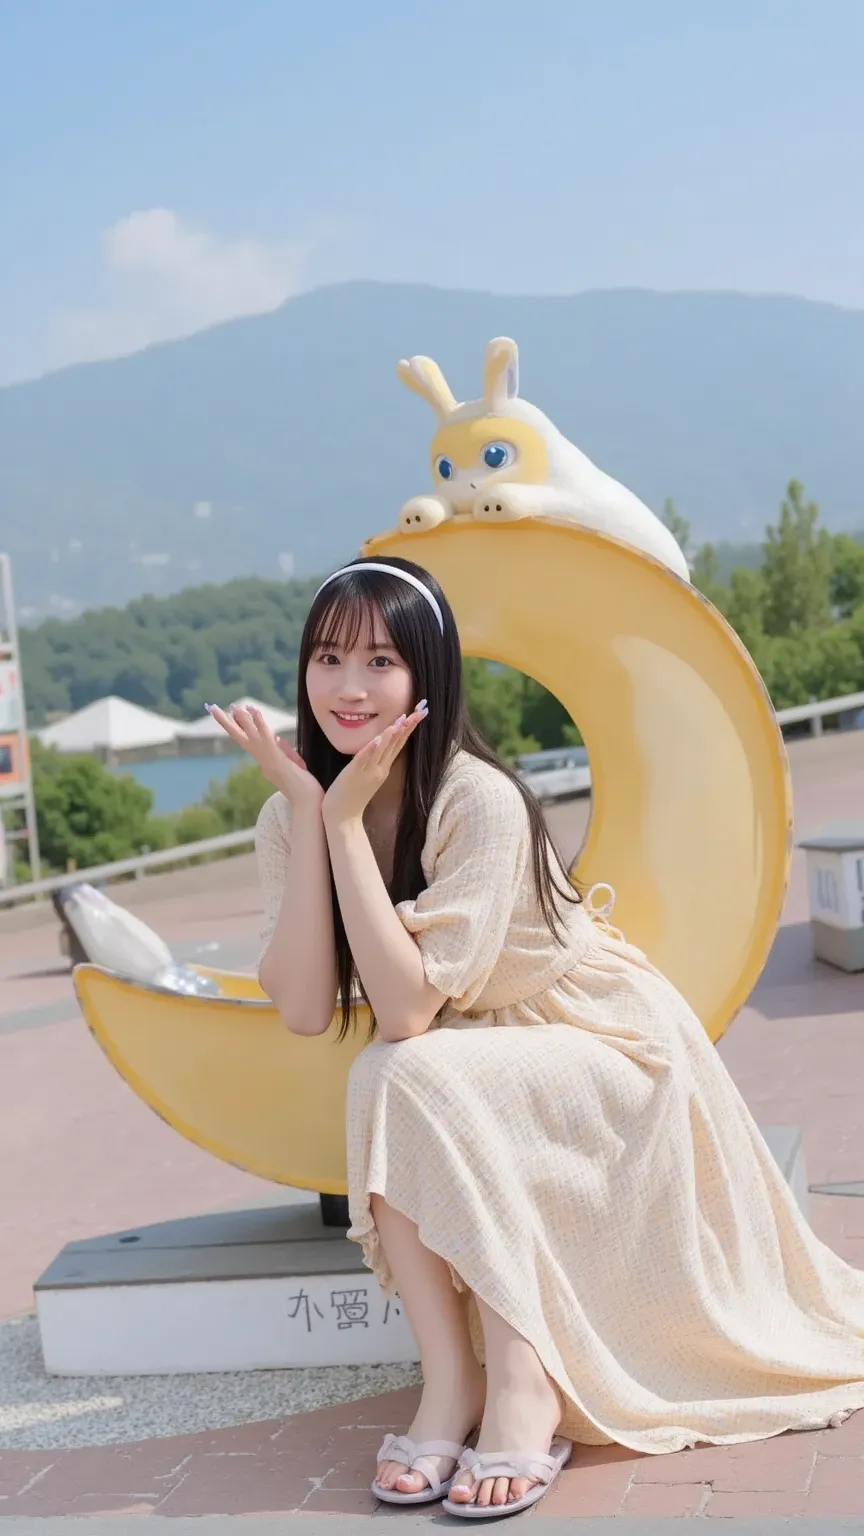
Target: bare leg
522, 1411
454, 1385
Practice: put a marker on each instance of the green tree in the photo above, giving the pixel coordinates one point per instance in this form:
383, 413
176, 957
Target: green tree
237, 801
197, 822
544, 718
171, 654
821, 664
838, 663
193, 671
797, 568
495, 700
142, 680
254, 679
847, 574
87, 814
745, 607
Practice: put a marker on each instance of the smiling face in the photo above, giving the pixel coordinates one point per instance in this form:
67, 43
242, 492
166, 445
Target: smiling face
358, 684
469, 456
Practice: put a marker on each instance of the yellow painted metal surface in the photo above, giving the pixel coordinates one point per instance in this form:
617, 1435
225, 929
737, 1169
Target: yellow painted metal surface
232, 983
229, 1076
691, 824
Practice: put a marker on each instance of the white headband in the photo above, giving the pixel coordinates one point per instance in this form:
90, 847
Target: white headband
391, 570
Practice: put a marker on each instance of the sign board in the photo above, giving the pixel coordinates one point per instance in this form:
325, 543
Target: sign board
10, 698
837, 887
14, 757
14, 764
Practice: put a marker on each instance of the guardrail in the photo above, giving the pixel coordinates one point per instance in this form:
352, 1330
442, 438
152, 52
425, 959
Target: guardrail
163, 858
816, 711
184, 853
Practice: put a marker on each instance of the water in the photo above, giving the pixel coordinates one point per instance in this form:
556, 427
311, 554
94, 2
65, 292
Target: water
180, 781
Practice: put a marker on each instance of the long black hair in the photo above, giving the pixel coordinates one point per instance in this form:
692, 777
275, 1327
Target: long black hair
342, 610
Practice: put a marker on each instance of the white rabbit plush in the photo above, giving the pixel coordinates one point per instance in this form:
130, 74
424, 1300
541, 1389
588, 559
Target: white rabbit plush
500, 458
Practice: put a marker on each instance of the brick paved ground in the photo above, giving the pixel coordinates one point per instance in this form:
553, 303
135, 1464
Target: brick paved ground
319, 1463
79, 1154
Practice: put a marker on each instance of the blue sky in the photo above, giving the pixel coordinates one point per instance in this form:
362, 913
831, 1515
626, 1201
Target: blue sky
169, 163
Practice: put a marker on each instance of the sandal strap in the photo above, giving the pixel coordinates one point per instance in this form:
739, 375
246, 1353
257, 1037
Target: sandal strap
401, 1448
534, 1465
397, 1448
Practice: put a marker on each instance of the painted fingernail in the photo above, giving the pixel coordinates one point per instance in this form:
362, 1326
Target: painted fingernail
423, 703
209, 708
401, 721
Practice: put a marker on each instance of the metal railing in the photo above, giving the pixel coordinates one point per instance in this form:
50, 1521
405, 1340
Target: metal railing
817, 711
163, 858
187, 853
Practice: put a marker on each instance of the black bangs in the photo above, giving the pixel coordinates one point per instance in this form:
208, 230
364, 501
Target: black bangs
347, 618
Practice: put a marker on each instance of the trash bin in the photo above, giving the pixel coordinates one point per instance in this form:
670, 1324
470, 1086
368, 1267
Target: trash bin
835, 877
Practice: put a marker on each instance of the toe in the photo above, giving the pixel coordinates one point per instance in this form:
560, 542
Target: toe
500, 1490
484, 1492
463, 1493
388, 1473
518, 1488
411, 1482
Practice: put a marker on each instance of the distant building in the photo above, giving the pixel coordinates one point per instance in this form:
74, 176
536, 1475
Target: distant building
117, 731
112, 729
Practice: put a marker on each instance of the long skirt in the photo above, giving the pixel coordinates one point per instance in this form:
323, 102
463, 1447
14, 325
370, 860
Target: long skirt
603, 1187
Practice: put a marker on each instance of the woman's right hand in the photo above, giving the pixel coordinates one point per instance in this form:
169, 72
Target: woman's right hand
280, 764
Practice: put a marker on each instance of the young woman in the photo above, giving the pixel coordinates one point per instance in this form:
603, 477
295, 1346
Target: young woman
547, 1158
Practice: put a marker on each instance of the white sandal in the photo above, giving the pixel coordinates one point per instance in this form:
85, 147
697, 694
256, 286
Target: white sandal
400, 1448
542, 1469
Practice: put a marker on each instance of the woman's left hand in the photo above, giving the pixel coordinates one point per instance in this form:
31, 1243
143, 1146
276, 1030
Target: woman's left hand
350, 793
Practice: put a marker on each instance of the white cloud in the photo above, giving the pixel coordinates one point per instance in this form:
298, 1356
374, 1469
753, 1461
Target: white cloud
165, 278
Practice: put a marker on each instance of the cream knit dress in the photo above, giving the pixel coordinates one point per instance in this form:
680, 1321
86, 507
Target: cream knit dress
568, 1139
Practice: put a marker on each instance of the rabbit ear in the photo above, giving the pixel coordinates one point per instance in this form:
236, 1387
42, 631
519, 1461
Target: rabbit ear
426, 379
500, 372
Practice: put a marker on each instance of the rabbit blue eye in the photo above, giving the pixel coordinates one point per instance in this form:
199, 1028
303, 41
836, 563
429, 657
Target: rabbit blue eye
444, 468
496, 455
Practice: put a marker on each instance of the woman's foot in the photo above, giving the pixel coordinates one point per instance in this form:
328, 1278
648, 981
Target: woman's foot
448, 1411
522, 1414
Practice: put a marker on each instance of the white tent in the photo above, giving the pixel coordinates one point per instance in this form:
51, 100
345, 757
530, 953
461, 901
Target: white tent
110, 725
280, 721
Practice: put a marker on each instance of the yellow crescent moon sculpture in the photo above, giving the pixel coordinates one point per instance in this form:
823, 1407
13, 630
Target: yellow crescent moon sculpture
691, 825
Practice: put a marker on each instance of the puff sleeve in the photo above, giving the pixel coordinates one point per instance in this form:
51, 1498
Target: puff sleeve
477, 848
273, 851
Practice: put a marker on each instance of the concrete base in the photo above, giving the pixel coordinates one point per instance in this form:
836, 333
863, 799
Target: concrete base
236, 1291
241, 1290
841, 947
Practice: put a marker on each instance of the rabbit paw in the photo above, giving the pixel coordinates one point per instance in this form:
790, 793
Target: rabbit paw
423, 512
505, 503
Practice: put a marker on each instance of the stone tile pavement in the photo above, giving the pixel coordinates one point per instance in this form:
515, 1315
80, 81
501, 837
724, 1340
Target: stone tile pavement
319, 1463
394, 1524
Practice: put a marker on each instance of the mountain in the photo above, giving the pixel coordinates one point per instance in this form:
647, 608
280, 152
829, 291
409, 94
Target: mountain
289, 435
